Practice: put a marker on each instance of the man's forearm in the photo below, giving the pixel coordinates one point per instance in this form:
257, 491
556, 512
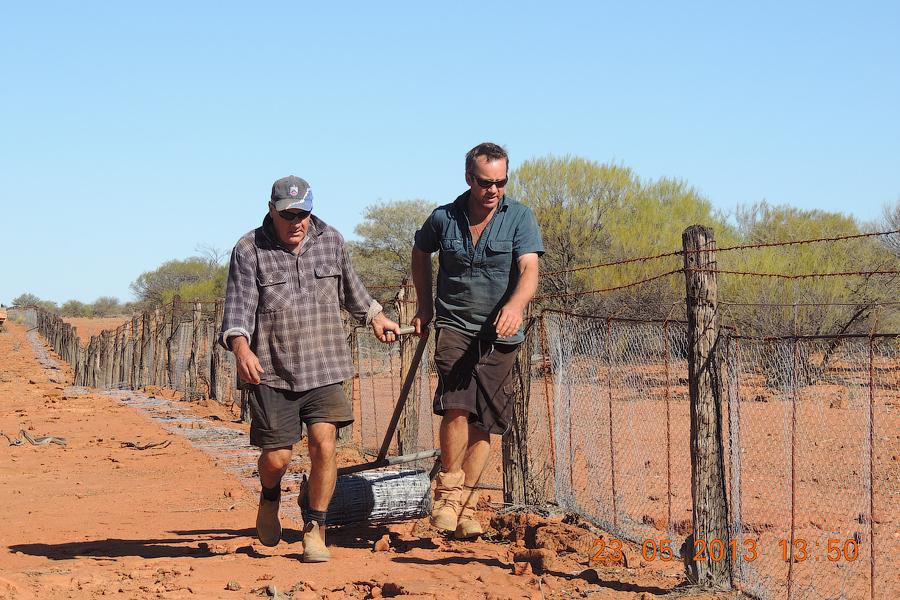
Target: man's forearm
526, 287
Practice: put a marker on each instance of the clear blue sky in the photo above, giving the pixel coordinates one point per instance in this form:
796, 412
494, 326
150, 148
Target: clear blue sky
131, 133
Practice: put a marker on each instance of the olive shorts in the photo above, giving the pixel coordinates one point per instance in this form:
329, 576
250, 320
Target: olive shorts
277, 414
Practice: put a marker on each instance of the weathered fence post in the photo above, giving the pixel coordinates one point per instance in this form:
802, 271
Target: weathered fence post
516, 488
408, 426
217, 358
146, 348
117, 357
710, 508
159, 354
133, 377
106, 360
345, 434
172, 347
193, 361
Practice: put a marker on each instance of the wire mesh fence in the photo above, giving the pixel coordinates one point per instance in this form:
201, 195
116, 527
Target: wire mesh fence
810, 446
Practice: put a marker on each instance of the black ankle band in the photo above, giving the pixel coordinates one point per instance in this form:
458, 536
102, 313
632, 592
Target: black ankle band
318, 516
273, 493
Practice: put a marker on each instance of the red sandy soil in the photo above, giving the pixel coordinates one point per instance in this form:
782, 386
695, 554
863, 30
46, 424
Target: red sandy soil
94, 518
85, 327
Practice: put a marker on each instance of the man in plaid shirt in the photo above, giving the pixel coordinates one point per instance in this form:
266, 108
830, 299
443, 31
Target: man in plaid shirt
287, 283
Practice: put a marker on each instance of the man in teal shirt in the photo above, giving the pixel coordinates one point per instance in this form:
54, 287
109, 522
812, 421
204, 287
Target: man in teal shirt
488, 247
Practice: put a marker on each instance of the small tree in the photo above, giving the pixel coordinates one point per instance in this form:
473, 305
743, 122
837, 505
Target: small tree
382, 255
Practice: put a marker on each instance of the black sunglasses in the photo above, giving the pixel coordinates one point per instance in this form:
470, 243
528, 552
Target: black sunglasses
290, 217
487, 183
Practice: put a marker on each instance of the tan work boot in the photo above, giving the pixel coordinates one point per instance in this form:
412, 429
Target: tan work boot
447, 499
268, 527
314, 549
468, 526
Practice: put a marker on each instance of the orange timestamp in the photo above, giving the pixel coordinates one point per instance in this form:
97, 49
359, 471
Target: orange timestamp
746, 550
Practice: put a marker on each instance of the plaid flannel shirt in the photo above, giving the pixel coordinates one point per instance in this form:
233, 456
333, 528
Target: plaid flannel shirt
289, 306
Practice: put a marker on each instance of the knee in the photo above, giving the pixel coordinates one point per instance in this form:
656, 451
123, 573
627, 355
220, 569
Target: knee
321, 449
274, 460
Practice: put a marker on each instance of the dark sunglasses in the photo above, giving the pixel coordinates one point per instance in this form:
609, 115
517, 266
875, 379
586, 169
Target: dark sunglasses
290, 217
487, 183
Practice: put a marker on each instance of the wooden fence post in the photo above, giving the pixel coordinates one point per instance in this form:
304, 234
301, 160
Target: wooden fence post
105, 360
172, 348
135, 353
116, 357
408, 426
159, 344
517, 489
144, 366
194, 360
221, 380
710, 508
346, 434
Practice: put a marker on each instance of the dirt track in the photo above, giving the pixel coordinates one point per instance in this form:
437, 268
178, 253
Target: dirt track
95, 518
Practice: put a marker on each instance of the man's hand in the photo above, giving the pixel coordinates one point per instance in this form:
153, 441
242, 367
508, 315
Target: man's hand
248, 366
385, 329
421, 320
509, 319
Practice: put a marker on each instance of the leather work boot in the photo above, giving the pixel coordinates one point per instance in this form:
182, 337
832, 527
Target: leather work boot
268, 527
314, 549
468, 526
447, 499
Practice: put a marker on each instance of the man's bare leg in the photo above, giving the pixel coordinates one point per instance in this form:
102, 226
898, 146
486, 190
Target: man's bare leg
454, 437
322, 478
272, 464
478, 450
323, 464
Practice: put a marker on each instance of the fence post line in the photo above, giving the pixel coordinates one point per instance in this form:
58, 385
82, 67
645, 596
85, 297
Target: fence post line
710, 508
408, 426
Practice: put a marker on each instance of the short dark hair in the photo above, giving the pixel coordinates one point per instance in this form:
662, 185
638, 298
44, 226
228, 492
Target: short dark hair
489, 151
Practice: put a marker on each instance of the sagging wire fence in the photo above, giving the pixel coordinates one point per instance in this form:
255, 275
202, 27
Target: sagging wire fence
611, 413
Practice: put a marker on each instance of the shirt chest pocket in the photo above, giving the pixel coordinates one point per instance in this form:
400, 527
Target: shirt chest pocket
274, 295
328, 280
498, 255
454, 258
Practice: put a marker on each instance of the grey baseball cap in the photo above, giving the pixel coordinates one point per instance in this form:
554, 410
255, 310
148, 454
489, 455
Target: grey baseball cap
292, 192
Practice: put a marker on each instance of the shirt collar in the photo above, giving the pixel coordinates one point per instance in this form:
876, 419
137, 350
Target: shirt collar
462, 202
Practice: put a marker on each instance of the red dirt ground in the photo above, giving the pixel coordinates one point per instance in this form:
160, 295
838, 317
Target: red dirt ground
95, 519
85, 327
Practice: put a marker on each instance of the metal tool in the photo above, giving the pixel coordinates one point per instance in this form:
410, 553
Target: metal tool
364, 494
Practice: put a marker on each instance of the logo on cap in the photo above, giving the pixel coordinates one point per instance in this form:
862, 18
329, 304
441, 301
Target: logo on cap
294, 191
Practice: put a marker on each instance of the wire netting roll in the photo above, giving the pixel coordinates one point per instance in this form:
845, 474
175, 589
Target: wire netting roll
379, 497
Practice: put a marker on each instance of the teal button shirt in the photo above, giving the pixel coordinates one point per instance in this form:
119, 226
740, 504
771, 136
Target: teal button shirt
475, 280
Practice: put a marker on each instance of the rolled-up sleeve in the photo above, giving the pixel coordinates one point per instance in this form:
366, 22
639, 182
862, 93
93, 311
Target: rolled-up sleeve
427, 238
241, 296
355, 298
528, 236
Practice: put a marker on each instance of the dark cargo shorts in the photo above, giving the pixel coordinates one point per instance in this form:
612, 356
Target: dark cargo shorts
476, 376
276, 414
